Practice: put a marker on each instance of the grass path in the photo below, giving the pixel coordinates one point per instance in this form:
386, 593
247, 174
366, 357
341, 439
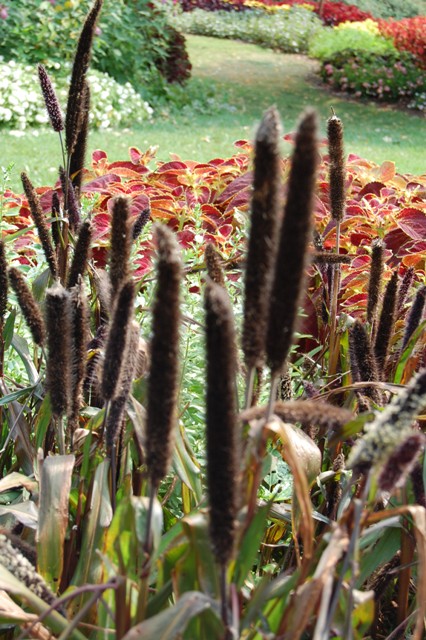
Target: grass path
245, 79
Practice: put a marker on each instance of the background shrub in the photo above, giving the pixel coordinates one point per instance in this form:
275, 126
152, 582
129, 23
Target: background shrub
388, 77
407, 35
327, 43
332, 12
136, 59
22, 105
289, 32
390, 8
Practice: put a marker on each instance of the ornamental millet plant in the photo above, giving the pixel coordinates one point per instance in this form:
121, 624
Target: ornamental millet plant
262, 244
292, 255
277, 567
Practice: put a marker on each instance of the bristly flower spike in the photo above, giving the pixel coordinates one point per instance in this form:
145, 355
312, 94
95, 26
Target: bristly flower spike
28, 305
50, 99
70, 202
163, 378
79, 339
140, 223
214, 264
386, 322
292, 252
325, 257
262, 246
363, 362
221, 421
337, 167
77, 159
58, 366
118, 404
401, 462
116, 345
21, 568
76, 96
81, 254
375, 281
3, 282
120, 243
406, 283
390, 427
55, 224
41, 224
415, 315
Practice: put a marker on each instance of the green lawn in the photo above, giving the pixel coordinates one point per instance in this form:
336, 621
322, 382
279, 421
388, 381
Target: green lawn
246, 80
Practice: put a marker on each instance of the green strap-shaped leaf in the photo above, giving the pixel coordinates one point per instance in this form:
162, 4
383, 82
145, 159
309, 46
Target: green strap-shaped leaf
171, 623
55, 486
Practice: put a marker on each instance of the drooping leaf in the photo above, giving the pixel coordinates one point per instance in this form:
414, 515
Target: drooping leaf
55, 485
171, 623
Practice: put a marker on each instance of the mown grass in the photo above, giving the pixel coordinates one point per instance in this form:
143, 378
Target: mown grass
246, 79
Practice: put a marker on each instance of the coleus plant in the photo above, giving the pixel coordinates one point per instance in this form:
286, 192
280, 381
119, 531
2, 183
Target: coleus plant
208, 202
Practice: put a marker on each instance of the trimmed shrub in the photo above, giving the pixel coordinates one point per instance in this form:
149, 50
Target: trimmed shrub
22, 106
390, 8
330, 42
50, 38
289, 32
407, 35
388, 77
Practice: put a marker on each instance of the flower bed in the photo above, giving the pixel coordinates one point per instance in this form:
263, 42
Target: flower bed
407, 35
332, 12
385, 78
208, 202
22, 105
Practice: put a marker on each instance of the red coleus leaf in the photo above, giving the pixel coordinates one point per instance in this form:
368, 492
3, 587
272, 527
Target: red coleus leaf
127, 169
240, 184
412, 222
142, 158
101, 184
372, 187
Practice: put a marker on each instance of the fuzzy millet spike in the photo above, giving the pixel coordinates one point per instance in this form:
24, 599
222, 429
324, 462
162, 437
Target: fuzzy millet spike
163, 378
118, 404
262, 245
214, 264
120, 243
117, 341
55, 224
79, 339
3, 281
325, 257
406, 283
28, 305
292, 255
386, 322
58, 366
39, 218
390, 427
321, 414
140, 223
50, 100
76, 95
363, 359
401, 462
79, 153
81, 254
70, 202
221, 421
415, 316
337, 168
375, 281
20, 567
